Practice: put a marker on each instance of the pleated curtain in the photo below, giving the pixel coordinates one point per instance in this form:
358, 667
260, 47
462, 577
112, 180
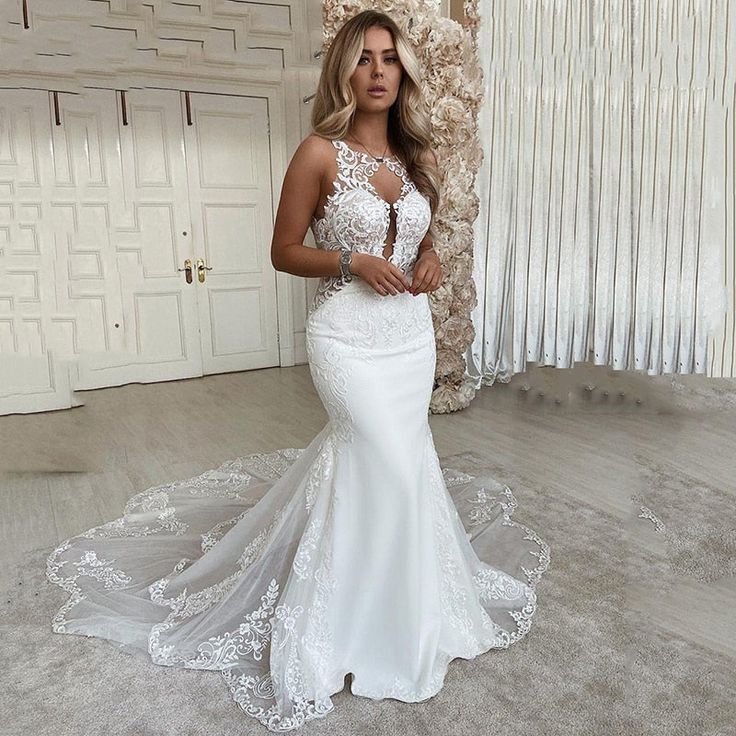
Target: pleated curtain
606, 227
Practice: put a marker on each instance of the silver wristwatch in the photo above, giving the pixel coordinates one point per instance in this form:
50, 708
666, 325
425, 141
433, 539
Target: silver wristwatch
346, 258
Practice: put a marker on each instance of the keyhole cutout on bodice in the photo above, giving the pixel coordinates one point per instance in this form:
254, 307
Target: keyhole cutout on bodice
388, 186
385, 184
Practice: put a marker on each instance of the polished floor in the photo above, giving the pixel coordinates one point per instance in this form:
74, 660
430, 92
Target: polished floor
630, 445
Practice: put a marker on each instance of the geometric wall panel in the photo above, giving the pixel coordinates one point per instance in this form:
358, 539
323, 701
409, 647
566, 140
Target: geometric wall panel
235, 336
103, 196
6, 336
230, 189
71, 223
173, 35
152, 164
228, 230
22, 284
221, 165
152, 312
156, 226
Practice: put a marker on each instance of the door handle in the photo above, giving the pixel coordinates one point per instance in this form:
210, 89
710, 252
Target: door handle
201, 268
188, 269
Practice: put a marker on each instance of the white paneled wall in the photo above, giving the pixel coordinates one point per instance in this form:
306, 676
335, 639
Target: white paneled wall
123, 36
135, 137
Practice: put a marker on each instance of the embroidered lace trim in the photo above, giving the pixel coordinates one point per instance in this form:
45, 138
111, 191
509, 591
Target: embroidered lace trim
361, 223
273, 625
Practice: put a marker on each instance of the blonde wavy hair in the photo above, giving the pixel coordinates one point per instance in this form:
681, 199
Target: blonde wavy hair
409, 129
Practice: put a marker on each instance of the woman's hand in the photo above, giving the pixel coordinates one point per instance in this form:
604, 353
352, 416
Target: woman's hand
427, 273
380, 274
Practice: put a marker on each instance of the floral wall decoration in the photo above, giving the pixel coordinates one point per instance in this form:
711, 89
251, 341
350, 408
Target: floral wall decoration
453, 87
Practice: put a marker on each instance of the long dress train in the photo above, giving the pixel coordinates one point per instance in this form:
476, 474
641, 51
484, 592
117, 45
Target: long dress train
358, 554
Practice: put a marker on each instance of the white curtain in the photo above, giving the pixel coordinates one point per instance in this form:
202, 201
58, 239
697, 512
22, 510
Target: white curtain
603, 230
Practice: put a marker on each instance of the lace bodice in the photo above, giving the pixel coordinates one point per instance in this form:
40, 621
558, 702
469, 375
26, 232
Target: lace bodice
356, 217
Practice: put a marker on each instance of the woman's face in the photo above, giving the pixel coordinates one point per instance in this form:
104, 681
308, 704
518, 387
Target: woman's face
378, 66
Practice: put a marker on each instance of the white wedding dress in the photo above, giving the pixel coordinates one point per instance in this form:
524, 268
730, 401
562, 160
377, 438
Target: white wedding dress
359, 554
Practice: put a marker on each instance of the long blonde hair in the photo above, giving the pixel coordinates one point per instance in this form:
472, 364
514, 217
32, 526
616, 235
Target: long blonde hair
409, 130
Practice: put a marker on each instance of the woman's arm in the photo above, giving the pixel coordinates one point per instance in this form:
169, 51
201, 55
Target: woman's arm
300, 194
428, 273
426, 244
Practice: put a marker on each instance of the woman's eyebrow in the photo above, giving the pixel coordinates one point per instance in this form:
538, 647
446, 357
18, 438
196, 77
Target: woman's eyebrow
385, 51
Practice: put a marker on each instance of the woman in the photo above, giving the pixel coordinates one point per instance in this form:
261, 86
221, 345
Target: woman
356, 559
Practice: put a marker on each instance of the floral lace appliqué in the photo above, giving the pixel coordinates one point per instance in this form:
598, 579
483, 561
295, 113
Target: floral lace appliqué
357, 218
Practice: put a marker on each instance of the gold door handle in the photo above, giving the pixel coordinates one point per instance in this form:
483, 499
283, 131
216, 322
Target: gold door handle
188, 269
201, 268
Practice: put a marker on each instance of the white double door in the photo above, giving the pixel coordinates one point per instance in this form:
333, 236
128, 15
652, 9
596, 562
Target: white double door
151, 217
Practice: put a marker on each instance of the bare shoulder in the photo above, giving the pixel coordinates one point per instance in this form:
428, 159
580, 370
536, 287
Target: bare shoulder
313, 153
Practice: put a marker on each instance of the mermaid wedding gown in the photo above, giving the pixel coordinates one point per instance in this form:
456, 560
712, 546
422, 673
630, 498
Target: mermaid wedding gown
358, 554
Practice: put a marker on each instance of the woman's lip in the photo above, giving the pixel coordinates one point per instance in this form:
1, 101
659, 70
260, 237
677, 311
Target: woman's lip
377, 92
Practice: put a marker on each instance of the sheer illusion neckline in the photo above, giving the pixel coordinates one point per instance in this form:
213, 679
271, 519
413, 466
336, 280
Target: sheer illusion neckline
364, 154
389, 162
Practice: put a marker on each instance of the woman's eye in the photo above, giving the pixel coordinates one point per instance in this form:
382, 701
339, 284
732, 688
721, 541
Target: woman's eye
392, 59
